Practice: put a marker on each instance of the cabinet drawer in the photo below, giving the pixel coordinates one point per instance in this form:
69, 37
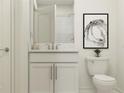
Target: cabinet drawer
53, 57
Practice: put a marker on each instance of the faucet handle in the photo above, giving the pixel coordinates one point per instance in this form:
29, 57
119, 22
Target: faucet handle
53, 45
57, 46
48, 46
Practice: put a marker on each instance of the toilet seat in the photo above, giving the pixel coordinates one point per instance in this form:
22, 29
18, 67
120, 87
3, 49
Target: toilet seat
104, 78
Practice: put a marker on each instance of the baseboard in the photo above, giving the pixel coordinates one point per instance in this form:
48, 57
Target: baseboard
92, 90
86, 90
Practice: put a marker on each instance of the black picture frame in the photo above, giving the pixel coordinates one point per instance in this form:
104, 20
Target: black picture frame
94, 25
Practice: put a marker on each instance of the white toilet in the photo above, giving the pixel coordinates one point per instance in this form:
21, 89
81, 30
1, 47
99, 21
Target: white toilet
97, 68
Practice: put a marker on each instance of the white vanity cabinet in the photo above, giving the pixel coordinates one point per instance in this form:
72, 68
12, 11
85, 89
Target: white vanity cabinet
53, 78
58, 75
53, 58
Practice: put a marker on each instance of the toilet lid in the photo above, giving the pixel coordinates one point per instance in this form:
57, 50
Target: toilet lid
104, 78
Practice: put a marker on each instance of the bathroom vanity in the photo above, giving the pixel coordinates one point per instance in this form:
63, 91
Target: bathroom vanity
53, 72
53, 57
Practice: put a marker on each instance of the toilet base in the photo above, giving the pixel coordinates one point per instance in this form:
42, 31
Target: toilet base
104, 86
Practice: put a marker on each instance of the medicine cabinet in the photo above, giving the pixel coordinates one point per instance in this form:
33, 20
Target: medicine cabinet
52, 25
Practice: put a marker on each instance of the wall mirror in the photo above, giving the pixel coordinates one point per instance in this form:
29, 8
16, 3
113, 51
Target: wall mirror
52, 21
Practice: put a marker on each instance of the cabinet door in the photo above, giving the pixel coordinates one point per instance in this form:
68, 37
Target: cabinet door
66, 78
41, 78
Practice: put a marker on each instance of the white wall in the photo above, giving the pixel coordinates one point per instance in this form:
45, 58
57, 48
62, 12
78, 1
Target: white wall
120, 68
81, 6
21, 45
95, 6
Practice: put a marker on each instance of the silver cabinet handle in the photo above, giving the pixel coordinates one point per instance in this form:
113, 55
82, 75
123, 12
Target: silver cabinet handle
56, 72
5, 49
51, 72
53, 78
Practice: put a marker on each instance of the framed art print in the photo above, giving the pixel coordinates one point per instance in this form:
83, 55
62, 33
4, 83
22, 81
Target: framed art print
95, 30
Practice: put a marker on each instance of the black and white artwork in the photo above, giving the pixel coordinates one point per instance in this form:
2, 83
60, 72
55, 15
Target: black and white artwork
95, 30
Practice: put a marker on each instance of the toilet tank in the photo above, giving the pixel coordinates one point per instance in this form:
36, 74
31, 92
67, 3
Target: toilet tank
97, 65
